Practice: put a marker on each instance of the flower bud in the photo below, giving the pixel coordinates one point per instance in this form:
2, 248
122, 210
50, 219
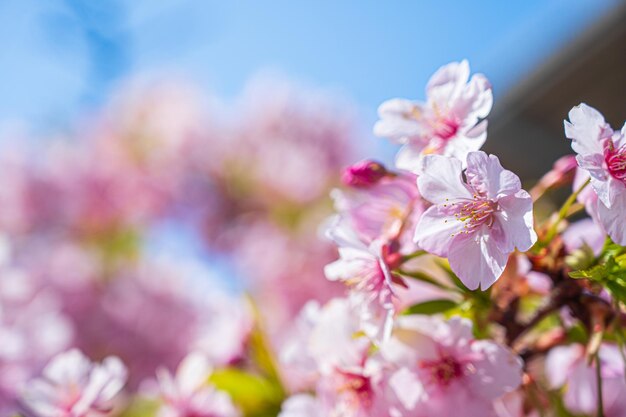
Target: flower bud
363, 174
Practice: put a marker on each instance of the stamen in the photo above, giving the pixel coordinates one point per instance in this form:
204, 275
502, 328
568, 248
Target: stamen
474, 213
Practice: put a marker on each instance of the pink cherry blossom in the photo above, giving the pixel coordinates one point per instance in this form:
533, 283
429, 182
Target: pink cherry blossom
188, 393
358, 391
384, 211
476, 222
323, 339
33, 329
439, 369
72, 386
602, 153
448, 123
568, 365
584, 232
366, 269
350, 383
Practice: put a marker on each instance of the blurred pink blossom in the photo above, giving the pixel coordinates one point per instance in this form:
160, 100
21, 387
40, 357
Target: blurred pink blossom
568, 365
188, 392
72, 386
441, 370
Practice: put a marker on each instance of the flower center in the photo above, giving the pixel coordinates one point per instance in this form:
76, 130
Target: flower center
357, 388
442, 371
616, 161
474, 213
445, 128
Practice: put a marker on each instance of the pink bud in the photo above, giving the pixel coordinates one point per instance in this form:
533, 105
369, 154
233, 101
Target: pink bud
363, 174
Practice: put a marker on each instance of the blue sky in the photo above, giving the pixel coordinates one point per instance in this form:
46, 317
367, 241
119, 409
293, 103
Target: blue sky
58, 57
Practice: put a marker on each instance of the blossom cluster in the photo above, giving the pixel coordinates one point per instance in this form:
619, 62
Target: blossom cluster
461, 300
178, 258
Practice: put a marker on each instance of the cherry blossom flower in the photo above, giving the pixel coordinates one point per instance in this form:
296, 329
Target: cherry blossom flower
188, 393
448, 123
568, 365
366, 269
323, 338
382, 211
476, 223
33, 329
602, 153
72, 386
441, 370
350, 383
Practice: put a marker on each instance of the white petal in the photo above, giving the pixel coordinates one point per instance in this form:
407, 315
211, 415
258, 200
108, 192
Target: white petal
586, 128
440, 180
409, 156
614, 219
485, 173
448, 82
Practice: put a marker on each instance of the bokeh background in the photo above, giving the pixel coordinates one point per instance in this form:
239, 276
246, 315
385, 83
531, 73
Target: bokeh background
160, 158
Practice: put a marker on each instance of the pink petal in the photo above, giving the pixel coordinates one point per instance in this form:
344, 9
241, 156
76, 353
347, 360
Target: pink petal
497, 373
407, 387
300, 405
560, 361
515, 218
436, 229
582, 391
485, 173
467, 141
585, 231
476, 260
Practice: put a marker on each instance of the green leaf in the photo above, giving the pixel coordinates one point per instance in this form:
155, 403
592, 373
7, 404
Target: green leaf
596, 273
254, 395
431, 307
